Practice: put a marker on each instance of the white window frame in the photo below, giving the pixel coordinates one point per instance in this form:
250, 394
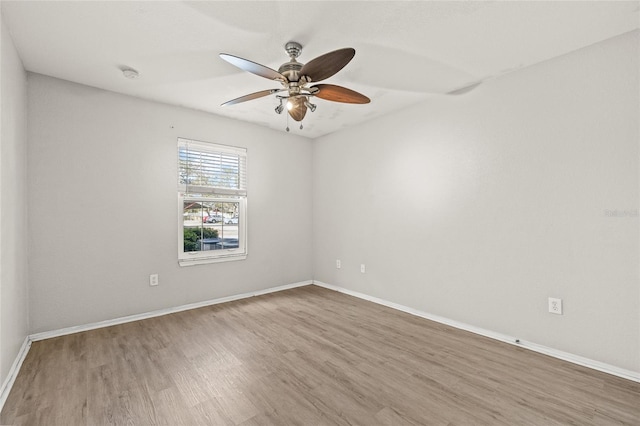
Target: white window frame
213, 195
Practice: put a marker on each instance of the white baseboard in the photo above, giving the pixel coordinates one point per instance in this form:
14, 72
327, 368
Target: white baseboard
13, 371
108, 323
576, 359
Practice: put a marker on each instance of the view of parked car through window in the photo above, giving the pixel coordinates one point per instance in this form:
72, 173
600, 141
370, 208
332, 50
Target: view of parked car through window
210, 225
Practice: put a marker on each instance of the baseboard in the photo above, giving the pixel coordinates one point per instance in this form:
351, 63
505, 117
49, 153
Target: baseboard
576, 359
122, 320
13, 371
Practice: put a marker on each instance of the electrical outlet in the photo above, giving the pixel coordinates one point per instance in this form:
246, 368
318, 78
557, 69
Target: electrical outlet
555, 306
153, 279
338, 264
362, 269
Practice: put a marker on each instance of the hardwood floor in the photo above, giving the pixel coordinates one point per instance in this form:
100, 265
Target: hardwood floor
306, 356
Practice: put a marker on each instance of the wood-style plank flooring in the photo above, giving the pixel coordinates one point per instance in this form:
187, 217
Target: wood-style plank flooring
306, 356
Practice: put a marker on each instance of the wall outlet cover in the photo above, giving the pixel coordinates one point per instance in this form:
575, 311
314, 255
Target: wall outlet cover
555, 306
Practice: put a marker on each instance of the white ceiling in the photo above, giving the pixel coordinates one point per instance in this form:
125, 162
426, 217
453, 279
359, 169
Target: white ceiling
406, 51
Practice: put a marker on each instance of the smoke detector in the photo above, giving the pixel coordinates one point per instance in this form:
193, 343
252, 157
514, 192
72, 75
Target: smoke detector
130, 73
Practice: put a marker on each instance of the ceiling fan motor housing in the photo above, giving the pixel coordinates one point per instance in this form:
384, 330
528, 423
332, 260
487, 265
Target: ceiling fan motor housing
291, 70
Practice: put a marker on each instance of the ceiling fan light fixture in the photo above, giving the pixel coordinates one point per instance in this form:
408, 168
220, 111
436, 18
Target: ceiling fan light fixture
289, 105
311, 106
280, 107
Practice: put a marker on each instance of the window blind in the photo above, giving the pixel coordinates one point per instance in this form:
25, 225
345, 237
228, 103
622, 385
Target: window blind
205, 168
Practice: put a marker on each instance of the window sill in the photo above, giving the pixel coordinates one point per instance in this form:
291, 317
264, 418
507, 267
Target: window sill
205, 260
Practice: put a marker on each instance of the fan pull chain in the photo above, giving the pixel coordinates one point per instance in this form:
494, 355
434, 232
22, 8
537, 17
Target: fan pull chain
287, 122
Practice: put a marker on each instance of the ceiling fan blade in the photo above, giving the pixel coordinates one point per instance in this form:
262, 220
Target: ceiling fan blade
328, 64
253, 67
251, 96
331, 92
299, 109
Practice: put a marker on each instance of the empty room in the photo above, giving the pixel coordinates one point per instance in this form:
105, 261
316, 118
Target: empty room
320, 213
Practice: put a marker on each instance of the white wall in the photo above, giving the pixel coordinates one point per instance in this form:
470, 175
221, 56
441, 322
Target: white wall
103, 206
13, 204
479, 207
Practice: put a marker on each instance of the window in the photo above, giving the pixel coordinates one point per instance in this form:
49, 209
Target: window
212, 200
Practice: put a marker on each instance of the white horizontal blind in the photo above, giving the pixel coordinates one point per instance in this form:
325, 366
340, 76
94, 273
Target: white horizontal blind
211, 169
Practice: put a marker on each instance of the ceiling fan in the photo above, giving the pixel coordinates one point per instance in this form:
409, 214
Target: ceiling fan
296, 78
